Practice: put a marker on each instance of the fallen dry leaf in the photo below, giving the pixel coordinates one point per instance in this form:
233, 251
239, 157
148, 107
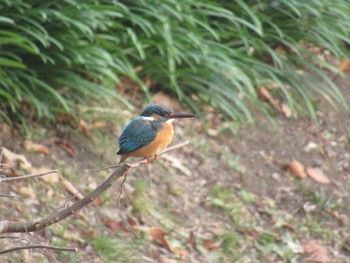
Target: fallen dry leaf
344, 65
98, 125
297, 169
315, 253
164, 259
286, 110
114, 224
157, 235
313, 130
98, 201
132, 220
27, 191
181, 252
248, 231
67, 147
81, 217
341, 218
49, 178
64, 117
317, 175
336, 214
281, 50
75, 237
87, 233
13, 161
311, 146
212, 132
72, 189
212, 245
138, 69
84, 129
34, 147
266, 96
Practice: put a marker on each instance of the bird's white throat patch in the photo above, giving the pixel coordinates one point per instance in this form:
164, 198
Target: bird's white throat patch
170, 121
147, 118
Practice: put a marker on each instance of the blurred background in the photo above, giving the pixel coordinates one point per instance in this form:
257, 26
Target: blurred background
265, 177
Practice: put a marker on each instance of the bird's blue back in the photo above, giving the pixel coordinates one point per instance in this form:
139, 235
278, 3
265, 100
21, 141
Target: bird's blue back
138, 133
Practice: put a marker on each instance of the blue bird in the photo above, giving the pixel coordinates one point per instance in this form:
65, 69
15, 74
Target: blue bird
149, 133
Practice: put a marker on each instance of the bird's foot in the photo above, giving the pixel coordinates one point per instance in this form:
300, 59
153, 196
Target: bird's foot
155, 156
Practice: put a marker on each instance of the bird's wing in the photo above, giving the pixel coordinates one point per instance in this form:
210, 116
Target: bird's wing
136, 134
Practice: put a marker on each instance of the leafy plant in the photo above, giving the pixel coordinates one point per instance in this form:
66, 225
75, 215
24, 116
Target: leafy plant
51, 55
55, 54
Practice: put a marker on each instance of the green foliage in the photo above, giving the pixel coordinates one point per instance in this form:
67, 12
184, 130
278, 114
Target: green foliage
57, 53
52, 54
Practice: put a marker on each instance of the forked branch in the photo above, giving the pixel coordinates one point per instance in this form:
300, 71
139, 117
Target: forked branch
120, 171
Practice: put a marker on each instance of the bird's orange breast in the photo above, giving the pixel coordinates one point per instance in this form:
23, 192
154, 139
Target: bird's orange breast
162, 140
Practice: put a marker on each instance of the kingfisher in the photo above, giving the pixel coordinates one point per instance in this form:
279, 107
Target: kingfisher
148, 134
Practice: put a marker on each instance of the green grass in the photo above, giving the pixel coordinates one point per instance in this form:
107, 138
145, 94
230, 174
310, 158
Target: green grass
59, 54
66, 256
232, 160
112, 250
140, 204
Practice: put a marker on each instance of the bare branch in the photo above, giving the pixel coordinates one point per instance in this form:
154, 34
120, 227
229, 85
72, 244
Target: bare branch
21, 227
17, 178
12, 196
68, 249
26, 227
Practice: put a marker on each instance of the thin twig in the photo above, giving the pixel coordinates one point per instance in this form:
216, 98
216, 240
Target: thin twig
12, 196
121, 189
67, 249
149, 175
26, 227
102, 169
17, 178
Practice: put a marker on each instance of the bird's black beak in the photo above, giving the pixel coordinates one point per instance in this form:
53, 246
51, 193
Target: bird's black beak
181, 115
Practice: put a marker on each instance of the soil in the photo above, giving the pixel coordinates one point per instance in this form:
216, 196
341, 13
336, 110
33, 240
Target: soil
223, 198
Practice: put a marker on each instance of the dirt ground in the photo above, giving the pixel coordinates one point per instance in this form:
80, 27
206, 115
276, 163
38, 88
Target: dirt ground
222, 198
